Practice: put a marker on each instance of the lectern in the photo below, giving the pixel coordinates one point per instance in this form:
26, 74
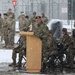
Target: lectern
33, 52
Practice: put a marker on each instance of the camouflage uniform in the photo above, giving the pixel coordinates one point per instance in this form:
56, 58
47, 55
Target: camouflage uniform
41, 31
33, 19
5, 29
20, 18
73, 38
52, 47
1, 28
10, 13
66, 40
21, 50
27, 20
23, 23
44, 18
11, 30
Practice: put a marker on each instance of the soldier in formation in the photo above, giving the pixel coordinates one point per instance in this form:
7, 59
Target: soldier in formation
67, 42
1, 27
5, 29
11, 31
11, 13
20, 18
44, 18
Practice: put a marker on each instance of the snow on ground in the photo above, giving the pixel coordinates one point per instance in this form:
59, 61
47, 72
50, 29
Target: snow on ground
5, 55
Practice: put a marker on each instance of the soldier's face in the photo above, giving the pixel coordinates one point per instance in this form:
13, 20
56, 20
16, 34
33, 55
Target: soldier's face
63, 33
5, 16
50, 35
9, 10
38, 20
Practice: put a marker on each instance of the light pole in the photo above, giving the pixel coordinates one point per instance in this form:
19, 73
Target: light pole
49, 9
31, 6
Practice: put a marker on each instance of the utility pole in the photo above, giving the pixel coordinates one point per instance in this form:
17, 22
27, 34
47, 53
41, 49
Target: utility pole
49, 9
31, 6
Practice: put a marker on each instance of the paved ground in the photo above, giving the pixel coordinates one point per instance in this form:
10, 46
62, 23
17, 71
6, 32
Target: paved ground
6, 70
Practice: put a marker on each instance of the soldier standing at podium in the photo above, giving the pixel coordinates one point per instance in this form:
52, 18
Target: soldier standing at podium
41, 30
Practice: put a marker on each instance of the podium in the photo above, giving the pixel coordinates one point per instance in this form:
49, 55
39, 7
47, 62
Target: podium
33, 52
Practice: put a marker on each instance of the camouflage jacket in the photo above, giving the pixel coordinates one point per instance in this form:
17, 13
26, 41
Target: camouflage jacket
1, 22
41, 30
44, 19
11, 13
10, 24
52, 43
67, 41
23, 24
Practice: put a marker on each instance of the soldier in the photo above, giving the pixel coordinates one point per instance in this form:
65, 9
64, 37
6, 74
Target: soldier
41, 30
33, 18
21, 13
1, 27
27, 20
11, 13
21, 49
11, 31
5, 29
52, 44
21, 19
66, 40
51, 50
73, 37
44, 18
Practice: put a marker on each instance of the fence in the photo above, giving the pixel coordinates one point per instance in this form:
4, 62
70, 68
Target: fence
54, 9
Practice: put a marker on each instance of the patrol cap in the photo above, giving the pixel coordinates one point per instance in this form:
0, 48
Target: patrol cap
26, 16
64, 30
38, 17
5, 14
9, 9
34, 12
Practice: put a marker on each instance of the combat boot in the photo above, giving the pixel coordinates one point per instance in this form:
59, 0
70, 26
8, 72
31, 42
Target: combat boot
18, 64
13, 64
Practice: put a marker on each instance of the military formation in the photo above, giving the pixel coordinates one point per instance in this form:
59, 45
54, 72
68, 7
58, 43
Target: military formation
7, 29
51, 46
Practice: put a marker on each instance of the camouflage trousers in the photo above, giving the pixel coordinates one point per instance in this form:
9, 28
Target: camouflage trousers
21, 51
11, 38
5, 34
69, 57
1, 34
